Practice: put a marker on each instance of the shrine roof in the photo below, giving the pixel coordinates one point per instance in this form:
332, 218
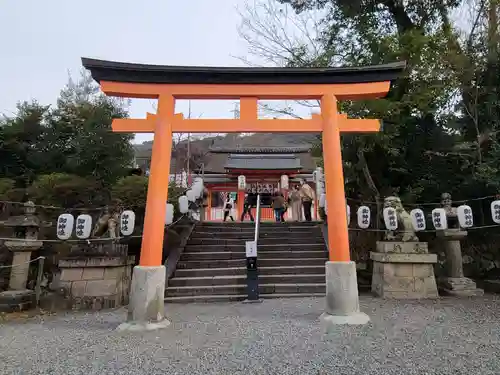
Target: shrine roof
102, 70
263, 162
260, 150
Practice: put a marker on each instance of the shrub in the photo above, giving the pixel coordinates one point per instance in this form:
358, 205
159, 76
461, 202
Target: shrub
130, 192
68, 191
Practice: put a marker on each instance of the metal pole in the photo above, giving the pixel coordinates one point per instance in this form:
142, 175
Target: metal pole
251, 260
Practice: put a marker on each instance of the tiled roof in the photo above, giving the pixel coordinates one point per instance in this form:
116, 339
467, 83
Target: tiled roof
267, 162
261, 150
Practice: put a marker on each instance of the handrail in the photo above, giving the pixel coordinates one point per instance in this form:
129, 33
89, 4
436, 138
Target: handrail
257, 220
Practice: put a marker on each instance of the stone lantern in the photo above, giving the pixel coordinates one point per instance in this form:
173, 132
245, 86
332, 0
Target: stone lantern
26, 228
454, 282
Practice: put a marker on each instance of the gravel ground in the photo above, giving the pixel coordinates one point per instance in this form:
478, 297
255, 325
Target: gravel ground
449, 336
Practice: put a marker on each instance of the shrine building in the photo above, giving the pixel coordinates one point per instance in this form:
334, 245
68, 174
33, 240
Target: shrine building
264, 169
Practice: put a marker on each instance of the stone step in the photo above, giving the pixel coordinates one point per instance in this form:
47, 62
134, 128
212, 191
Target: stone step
234, 297
262, 248
241, 289
262, 240
227, 255
230, 263
282, 270
242, 280
250, 234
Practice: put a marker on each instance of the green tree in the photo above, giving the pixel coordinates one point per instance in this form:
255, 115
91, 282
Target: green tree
430, 138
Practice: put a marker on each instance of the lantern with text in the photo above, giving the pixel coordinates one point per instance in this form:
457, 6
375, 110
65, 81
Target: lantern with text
417, 219
183, 204
197, 187
465, 218
363, 217
284, 182
495, 211
65, 224
127, 222
439, 219
190, 195
322, 200
242, 183
169, 214
83, 226
319, 180
348, 211
390, 218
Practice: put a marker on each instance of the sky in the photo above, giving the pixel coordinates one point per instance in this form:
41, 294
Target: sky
42, 43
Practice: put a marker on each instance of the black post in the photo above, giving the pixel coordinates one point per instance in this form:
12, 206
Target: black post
252, 279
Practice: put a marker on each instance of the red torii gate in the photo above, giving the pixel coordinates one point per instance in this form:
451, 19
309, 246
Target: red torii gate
168, 83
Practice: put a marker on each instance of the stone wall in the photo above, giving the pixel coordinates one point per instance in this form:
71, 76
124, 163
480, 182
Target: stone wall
96, 282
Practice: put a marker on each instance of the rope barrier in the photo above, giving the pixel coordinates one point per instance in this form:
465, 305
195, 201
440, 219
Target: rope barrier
186, 189
425, 204
20, 264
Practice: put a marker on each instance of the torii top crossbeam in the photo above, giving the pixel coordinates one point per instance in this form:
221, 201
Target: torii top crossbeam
167, 83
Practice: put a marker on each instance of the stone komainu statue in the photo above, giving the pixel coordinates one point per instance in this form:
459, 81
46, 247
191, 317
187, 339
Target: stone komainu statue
405, 231
107, 225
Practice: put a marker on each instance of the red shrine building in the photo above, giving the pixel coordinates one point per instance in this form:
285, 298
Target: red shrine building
264, 169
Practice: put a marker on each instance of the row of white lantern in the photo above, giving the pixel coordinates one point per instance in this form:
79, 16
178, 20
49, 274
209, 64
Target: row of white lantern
438, 215
83, 225
191, 195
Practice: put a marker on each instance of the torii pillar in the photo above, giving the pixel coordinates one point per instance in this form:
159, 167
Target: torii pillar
248, 85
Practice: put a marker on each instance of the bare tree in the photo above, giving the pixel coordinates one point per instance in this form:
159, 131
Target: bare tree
277, 36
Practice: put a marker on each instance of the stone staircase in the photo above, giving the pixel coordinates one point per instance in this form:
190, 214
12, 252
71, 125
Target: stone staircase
291, 261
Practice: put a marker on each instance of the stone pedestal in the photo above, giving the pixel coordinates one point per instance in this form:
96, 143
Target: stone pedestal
403, 270
95, 282
455, 283
342, 300
146, 310
20, 261
18, 298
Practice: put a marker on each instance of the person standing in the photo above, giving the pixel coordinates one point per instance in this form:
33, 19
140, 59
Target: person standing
229, 207
278, 206
296, 204
307, 198
250, 200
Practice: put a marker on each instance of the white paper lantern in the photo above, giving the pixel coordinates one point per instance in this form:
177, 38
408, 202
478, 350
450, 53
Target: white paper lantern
242, 183
190, 195
284, 182
348, 212
465, 218
322, 200
127, 222
65, 223
183, 204
197, 187
83, 226
418, 219
197, 190
390, 218
169, 214
495, 211
364, 216
319, 180
439, 219
326, 207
